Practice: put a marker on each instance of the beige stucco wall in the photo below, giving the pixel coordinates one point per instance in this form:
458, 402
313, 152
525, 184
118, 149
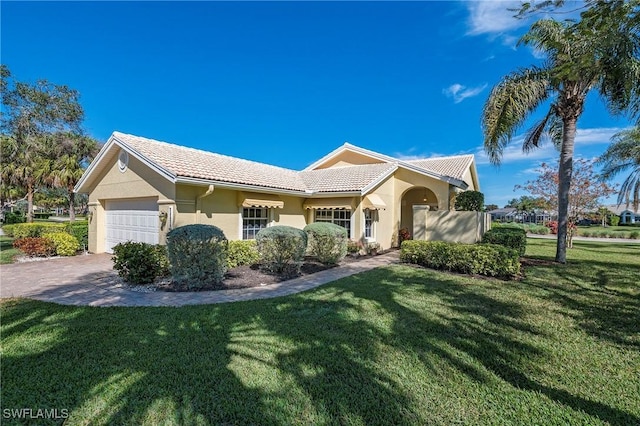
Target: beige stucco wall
386, 228
137, 181
222, 209
348, 158
453, 226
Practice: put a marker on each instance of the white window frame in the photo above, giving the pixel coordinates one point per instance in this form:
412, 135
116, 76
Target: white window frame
373, 219
329, 216
266, 218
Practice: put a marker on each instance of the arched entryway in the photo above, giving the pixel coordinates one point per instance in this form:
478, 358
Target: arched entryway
415, 196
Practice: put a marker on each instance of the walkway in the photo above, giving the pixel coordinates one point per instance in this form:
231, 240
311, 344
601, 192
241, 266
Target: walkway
588, 239
90, 280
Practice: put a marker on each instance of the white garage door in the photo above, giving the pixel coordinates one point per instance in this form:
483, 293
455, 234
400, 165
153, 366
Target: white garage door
131, 220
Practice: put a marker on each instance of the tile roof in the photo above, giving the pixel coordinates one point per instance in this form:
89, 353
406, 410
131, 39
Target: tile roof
454, 166
194, 163
347, 178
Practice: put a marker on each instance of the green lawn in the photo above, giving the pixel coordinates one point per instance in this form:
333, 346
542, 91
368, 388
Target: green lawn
7, 252
397, 345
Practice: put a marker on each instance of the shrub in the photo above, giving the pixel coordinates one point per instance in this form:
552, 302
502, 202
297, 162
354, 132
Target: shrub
198, 255
65, 244
513, 238
327, 242
35, 229
8, 230
35, 246
403, 235
470, 201
80, 230
162, 257
484, 259
614, 220
354, 247
282, 249
243, 252
14, 217
634, 235
137, 263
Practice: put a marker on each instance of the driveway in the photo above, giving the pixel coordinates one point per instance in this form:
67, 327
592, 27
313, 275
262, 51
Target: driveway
90, 280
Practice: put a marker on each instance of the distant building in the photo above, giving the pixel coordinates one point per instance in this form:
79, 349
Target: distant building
626, 213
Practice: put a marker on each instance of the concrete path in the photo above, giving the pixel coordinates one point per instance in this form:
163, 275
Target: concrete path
90, 280
592, 239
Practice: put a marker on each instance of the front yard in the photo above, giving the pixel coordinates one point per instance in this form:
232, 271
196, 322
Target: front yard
397, 345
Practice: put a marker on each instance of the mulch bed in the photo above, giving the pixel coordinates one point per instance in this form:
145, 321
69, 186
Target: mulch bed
248, 276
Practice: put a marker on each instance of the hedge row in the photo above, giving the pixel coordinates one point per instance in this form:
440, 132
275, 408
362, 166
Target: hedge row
80, 230
484, 259
514, 238
55, 243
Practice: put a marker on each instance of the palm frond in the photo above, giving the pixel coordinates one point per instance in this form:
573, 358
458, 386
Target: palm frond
509, 104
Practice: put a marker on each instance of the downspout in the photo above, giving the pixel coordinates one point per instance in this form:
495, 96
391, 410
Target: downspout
199, 202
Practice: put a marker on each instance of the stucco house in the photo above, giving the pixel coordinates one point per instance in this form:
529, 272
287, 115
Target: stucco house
140, 188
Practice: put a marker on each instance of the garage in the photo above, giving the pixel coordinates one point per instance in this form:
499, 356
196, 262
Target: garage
131, 220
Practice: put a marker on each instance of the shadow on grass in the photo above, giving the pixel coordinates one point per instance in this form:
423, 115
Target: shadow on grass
602, 298
316, 357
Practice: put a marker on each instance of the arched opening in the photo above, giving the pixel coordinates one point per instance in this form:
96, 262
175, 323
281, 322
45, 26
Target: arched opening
415, 196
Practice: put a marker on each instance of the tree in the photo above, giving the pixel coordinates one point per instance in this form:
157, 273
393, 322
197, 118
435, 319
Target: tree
72, 153
469, 201
490, 207
31, 113
585, 193
599, 52
624, 154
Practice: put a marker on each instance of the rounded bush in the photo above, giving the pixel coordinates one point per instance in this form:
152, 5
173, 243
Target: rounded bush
198, 255
138, 263
65, 244
282, 249
327, 242
242, 252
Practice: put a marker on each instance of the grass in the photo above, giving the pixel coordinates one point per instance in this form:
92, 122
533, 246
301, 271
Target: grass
397, 345
7, 252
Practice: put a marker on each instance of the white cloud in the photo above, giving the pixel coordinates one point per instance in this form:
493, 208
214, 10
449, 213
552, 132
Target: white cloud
459, 92
493, 16
596, 135
546, 152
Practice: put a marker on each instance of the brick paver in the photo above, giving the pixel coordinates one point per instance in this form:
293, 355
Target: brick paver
90, 280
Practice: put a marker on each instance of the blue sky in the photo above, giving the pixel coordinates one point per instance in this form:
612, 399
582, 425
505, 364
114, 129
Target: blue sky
286, 82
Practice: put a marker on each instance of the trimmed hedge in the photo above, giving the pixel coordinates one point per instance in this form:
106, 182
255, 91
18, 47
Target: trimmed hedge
483, 259
242, 252
198, 255
8, 230
282, 249
80, 230
139, 263
327, 242
514, 238
65, 244
35, 229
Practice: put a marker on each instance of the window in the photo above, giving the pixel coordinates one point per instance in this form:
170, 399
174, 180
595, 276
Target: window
253, 220
338, 217
370, 217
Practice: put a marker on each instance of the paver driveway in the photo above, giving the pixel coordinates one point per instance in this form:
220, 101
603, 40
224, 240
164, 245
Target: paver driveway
91, 280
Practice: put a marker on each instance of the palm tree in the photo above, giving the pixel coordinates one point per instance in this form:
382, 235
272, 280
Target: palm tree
596, 53
24, 166
72, 153
622, 155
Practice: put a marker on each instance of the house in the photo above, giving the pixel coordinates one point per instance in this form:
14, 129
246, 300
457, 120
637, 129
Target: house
140, 188
626, 213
